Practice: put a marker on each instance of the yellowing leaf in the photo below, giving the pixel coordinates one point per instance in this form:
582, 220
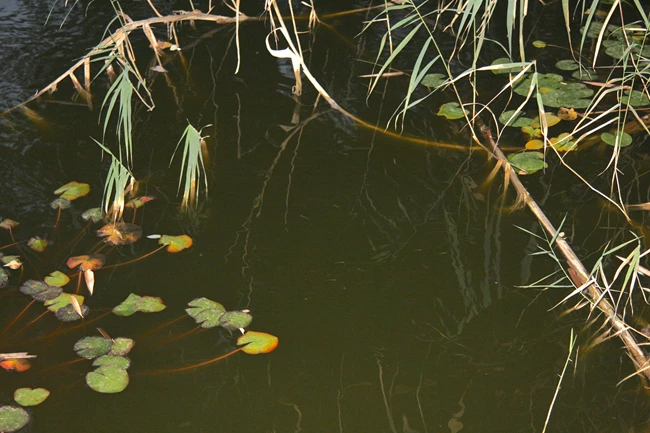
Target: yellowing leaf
535, 145
175, 243
57, 279
257, 342
8, 224
551, 120
567, 114
73, 190
76, 306
37, 244
89, 276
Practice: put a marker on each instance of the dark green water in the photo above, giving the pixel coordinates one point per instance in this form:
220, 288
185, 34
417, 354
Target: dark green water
385, 269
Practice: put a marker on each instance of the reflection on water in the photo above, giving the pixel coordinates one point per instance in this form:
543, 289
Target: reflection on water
384, 267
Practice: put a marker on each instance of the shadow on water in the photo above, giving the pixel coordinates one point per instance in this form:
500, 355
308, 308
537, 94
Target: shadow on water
386, 268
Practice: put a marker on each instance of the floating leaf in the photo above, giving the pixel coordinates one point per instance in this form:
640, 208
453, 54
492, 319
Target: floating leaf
506, 69
567, 65
73, 190
257, 342
175, 243
452, 111
93, 347
585, 74
134, 303
120, 233
108, 379
94, 214
232, 320
567, 114
544, 81
37, 244
4, 278
635, 98
87, 262
57, 279
138, 202
31, 397
62, 300
76, 306
121, 346
527, 162
531, 133
12, 418
15, 364
563, 143
70, 314
8, 224
40, 291
551, 120
433, 80
514, 118
624, 139
205, 312
534, 144
118, 361
539, 44
60, 203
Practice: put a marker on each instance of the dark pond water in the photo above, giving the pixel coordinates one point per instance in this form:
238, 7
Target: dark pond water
387, 270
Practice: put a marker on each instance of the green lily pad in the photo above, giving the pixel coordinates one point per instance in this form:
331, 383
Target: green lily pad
232, 320
37, 244
92, 347
257, 342
94, 214
544, 81
624, 138
57, 279
40, 291
4, 278
452, 111
506, 68
433, 80
585, 74
595, 27
567, 65
635, 98
12, 418
205, 312
539, 44
31, 397
118, 361
60, 203
69, 314
62, 300
514, 118
134, 303
73, 190
108, 379
527, 162
8, 259
531, 133
138, 202
121, 346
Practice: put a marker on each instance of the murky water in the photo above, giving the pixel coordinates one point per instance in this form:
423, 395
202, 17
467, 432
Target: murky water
384, 267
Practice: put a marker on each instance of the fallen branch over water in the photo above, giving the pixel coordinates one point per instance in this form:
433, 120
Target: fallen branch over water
577, 271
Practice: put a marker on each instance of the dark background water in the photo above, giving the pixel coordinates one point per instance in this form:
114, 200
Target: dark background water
387, 270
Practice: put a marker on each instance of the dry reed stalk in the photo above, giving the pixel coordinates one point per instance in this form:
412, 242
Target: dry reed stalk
577, 271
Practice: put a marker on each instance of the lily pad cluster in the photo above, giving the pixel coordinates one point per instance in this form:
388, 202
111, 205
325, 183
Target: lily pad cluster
109, 357
14, 418
66, 307
210, 314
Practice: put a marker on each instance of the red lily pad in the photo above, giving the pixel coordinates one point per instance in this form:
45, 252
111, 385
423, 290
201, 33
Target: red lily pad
73, 190
138, 202
120, 233
57, 279
18, 365
258, 342
37, 244
87, 262
175, 243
